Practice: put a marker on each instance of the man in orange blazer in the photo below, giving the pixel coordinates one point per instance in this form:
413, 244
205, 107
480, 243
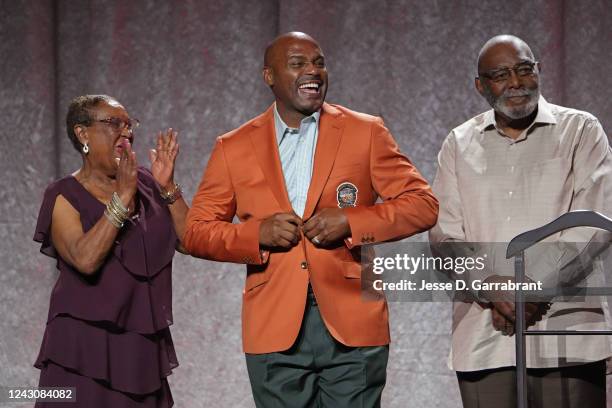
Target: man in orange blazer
303, 179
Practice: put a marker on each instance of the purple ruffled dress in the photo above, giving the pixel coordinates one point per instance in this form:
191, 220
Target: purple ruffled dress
108, 334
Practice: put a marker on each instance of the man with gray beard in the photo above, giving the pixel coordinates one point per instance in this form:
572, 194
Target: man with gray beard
506, 171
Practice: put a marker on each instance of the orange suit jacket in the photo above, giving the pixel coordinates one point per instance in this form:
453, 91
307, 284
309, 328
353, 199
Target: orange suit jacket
244, 178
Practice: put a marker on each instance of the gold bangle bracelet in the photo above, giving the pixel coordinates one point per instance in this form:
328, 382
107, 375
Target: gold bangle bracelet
113, 211
170, 197
112, 219
118, 205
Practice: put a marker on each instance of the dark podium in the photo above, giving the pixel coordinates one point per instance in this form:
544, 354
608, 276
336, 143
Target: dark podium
516, 249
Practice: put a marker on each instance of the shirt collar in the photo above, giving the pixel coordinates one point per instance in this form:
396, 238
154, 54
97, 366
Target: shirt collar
544, 116
281, 126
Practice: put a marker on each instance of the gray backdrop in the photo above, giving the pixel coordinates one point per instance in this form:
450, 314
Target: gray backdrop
195, 66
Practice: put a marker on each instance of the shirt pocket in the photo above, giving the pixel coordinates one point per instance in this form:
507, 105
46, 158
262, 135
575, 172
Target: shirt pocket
548, 183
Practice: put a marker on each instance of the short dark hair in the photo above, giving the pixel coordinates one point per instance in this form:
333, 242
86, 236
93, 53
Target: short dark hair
79, 114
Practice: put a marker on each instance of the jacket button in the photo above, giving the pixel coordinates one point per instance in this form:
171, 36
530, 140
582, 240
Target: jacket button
304, 265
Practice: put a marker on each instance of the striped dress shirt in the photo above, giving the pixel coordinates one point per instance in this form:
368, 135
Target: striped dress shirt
296, 148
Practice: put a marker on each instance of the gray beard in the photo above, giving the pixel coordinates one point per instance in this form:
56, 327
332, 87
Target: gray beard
519, 112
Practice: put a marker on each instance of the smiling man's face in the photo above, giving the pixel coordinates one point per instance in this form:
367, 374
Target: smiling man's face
295, 71
516, 96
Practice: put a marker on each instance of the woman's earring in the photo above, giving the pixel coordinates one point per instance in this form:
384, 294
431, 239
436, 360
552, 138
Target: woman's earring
85, 148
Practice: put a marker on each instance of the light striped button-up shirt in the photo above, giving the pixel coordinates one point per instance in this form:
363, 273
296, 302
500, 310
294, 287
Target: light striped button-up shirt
492, 188
296, 148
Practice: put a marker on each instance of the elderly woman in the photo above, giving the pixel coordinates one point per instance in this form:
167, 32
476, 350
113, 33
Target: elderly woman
113, 228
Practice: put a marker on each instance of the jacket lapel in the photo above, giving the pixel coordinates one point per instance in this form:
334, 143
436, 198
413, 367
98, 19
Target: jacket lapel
331, 124
263, 138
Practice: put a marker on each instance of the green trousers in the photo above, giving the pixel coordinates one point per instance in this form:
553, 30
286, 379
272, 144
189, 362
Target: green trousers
318, 371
